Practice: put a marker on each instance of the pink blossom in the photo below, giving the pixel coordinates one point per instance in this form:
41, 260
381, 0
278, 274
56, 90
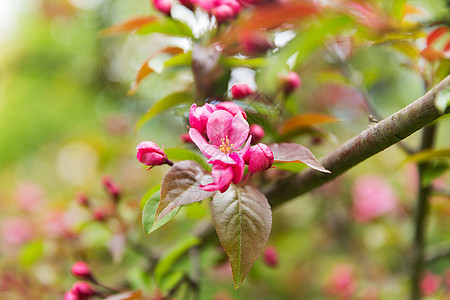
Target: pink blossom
342, 281
270, 257
81, 269
232, 108
198, 116
83, 290
372, 198
257, 133
29, 195
291, 82
223, 13
429, 284
223, 174
255, 43
240, 91
151, 155
16, 231
259, 158
163, 6
70, 295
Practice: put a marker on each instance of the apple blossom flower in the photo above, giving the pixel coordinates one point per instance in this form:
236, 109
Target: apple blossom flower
163, 6
223, 174
372, 198
257, 133
291, 82
151, 155
270, 257
81, 269
198, 116
240, 91
259, 158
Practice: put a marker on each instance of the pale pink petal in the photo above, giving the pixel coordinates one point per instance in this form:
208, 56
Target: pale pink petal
221, 158
244, 149
207, 149
238, 131
219, 124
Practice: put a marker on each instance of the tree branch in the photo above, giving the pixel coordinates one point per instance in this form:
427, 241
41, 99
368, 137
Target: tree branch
371, 141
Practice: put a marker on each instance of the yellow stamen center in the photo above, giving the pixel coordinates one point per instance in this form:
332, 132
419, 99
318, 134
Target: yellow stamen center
226, 147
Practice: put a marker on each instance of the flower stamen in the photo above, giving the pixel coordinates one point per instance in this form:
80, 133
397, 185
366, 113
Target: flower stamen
226, 146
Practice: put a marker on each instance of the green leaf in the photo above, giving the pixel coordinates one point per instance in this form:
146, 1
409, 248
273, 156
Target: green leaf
292, 167
290, 152
167, 26
181, 59
427, 155
181, 185
148, 194
30, 253
164, 104
433, 171
186, 154
149, 212
397, 8
442, 101
233, 61
243, 220
171, 256
171, 280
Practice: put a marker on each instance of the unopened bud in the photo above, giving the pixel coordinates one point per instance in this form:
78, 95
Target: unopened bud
99, 214
270, 257
255, 43
232, 108
111, 187
83, 290
70, 295
257, 133
259, 158
163, 6
223, 13
198, 116
240, 91
291, 82
82, 199
81, 269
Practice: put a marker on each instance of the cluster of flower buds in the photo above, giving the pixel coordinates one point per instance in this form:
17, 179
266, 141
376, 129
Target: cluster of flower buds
221, 132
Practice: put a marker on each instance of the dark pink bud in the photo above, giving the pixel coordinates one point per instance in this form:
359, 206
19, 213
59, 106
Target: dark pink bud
186, 138
291, 82
163, 6
270, 257
259, 158
111, 187
83, 290
429, 284
257, 133
232, 108
99, 214
151, 155
241, 90
255, 43
187, 3
234, 4
81, 269
82, 199
223, 13
198, 116
70, 295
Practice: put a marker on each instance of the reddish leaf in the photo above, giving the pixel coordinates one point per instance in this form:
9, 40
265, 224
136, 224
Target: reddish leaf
436, 34
305, 121
243, 220
129, 25
145, 70
290, 152
181, 186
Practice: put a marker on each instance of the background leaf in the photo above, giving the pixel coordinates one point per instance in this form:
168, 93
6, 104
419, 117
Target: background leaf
290, 152
181, 185
149, 212
167, 26
243, 219
129, 25
305, 121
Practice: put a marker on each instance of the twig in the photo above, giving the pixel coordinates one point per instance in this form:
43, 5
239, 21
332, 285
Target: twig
371, 141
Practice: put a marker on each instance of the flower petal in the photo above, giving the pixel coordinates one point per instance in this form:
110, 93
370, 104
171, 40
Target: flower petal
222, 176
238, 168
219, 124
207, 149
238, 131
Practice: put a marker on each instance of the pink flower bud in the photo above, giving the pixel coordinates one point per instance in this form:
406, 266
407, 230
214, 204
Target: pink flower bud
82, 199
198, 116
257, 133
241, 90
111, 187
99, 214
81, 269
429, 284
259, 158
255, 43
232, 108
83, 290
186, 138
187, 3
291, 82
342, 282
270, 257
151, 155
71, 296
235, 5
163, 6
223, 13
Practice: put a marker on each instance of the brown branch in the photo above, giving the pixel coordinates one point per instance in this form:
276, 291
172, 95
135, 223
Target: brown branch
374, 139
